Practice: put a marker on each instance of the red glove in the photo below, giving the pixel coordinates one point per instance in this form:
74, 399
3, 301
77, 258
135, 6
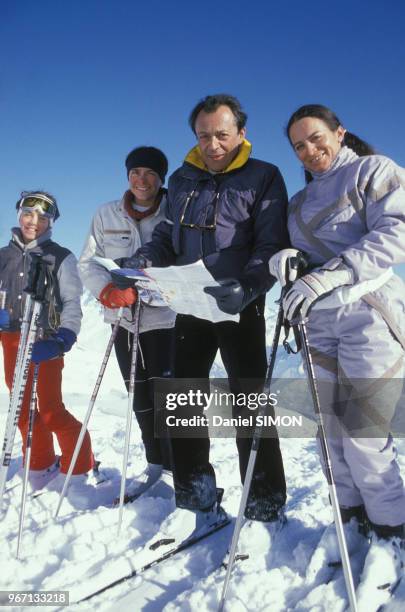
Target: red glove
111, 297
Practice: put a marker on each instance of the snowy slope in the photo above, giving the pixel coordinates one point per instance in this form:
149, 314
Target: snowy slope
82, 548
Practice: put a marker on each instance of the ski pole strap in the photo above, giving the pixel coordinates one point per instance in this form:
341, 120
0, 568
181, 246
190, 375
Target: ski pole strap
287, 346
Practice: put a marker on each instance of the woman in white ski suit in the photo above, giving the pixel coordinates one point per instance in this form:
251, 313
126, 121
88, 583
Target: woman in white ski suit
350, 222
118, 229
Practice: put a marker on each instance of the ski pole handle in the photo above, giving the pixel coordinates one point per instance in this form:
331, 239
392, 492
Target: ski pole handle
42, 284
38, 278
299, 264
3, 297
33, 273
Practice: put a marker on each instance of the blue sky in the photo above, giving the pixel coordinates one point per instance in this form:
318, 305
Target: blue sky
83, 82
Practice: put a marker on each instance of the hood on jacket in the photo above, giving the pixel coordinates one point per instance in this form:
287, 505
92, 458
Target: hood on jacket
194, 157
17, 238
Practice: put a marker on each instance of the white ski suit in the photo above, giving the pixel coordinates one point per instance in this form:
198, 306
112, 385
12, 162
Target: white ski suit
113, 234
356, 211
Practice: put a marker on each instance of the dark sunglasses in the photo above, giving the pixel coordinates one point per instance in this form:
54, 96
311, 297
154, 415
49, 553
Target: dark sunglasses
210, 226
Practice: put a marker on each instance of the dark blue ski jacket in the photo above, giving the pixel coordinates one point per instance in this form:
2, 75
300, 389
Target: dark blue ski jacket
238, 220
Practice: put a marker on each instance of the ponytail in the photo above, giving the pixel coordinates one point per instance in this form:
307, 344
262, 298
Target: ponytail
356, 144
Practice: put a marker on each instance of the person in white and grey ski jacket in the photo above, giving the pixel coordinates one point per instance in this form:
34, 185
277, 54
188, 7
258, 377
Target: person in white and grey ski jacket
117, 230
350, 222
59, 323
113, 234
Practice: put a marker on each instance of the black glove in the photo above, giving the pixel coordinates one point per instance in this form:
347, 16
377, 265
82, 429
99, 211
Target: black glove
230, 296
138, 262
121, 281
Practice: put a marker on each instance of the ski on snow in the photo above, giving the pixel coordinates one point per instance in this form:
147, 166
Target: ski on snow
165, 548
326, 574
392, 596
98, 475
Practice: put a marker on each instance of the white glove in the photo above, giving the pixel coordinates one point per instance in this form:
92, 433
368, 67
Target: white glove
278, 266
315, 285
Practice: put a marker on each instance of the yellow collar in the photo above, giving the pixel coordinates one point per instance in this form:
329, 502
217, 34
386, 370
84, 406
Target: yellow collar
194, 157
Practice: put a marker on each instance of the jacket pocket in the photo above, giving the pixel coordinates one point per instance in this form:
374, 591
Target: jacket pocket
119, 244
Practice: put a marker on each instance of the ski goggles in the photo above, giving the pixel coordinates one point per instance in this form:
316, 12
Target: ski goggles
39, 202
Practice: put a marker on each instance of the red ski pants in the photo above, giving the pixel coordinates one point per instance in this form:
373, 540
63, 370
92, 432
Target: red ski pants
51, 415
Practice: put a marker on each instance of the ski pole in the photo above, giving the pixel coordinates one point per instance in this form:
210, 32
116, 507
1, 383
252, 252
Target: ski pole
328, 468
131, 395
32, 281
253, 455
10, 423
90, 409
27, 460
16, 399
36, 289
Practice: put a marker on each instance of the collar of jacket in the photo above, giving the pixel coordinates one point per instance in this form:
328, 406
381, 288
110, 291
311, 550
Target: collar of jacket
194, 158
18, 239
344, 157
126, 205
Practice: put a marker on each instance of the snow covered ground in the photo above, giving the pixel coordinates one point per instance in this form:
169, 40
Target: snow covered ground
81, 548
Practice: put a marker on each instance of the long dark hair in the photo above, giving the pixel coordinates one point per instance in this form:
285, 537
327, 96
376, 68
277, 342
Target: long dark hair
325, 114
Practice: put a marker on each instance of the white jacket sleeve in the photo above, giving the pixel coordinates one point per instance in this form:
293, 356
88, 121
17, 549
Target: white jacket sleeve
70, 290
383, 245
93, 276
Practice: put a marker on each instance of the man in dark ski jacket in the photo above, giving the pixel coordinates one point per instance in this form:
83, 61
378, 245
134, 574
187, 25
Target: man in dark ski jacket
229, 210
